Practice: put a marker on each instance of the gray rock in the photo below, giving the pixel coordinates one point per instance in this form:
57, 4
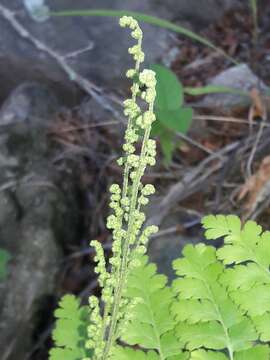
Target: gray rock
34, 213
168, 246
165, 249
107, 58
238, 77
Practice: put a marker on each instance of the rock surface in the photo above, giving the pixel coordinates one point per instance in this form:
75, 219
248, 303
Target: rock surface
168, 246
34, 213
238, 77
107, 58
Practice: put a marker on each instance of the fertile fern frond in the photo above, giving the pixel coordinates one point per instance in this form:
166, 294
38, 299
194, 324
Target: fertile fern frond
208, 318
151, 325
70, 334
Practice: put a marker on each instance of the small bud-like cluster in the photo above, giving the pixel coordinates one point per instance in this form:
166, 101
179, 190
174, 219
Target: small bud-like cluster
100, 268
127, 313
95, 328
136, 50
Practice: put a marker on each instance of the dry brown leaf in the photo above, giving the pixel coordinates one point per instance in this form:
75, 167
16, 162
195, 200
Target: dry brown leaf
256, 188
258, 108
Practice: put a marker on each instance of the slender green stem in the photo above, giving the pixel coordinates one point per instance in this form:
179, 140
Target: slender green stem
147, 19
229, 344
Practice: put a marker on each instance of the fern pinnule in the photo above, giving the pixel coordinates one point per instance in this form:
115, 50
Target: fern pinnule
125, 353
207, 317
70, 333
248, 281
152, 324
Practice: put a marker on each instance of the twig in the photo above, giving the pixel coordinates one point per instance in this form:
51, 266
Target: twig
265, 204
83, 127
79, 51
254, 148
225, 119
87, 251
90, 88
193, 142
169, 231
189, 183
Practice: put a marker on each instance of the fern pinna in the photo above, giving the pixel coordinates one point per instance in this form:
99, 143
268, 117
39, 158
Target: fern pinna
218, 306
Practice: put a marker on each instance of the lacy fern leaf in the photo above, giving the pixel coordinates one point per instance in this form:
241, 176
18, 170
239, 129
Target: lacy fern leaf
208, 318
69, 334
125, 353
151, 325
259, 352
248, 281
207, 355
262, 324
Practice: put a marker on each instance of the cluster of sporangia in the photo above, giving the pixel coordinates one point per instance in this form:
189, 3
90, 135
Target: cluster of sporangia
126, 222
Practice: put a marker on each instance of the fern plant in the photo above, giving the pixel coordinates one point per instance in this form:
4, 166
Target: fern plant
217, 308
129, 239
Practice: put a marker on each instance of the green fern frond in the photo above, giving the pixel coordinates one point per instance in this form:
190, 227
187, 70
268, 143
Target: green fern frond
69, 334
241, 245
207, 316
244, 277
125, 353
218, 226
152, 323
248, 280
262, 324
256, 301
259, 352
207, 355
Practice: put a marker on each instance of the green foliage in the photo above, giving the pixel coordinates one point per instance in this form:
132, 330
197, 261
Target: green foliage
171, 115
208, 317
152, 324
169, 89
214, 89
207, 313
125, 353
147, 19
246, 253
70, 332
4, 258
218, 307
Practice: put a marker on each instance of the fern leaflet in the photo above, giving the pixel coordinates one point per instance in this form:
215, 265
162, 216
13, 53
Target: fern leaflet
151, 326
125, 353
69, 334
248, 281
207, 316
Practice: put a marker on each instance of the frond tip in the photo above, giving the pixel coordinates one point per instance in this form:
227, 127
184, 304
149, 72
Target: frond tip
69, 334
